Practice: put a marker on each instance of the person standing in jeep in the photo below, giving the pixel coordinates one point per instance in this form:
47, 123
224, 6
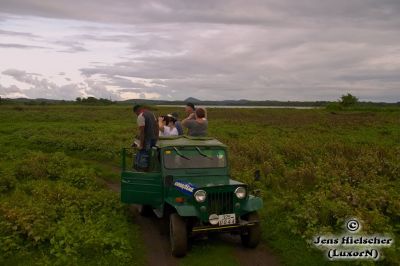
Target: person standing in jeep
196, 123
189, 110
148, 134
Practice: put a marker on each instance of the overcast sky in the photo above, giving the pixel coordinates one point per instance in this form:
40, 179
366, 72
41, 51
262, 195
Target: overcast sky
208, 49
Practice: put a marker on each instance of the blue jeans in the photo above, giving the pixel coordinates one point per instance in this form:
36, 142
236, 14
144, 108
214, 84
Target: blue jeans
142, 157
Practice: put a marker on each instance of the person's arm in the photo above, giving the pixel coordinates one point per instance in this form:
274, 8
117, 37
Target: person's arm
190, 117
160, 124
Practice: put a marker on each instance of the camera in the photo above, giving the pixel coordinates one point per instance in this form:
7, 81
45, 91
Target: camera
167, 119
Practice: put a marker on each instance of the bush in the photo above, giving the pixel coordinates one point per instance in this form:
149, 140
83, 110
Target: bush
69, 223
348, 100
7, 181
335, 106
38, 165
80, 177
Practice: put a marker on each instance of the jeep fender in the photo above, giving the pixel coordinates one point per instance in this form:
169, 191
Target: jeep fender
182, 209
252, 204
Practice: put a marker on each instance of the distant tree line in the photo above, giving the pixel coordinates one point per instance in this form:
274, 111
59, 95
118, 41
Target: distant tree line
93, 100
347, 101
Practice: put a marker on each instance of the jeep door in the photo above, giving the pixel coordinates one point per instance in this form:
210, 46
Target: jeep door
138, 187
141, 188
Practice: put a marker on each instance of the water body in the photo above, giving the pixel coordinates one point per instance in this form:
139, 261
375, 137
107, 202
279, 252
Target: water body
244, 106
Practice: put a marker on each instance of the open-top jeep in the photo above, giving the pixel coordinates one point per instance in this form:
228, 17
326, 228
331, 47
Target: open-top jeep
188, 185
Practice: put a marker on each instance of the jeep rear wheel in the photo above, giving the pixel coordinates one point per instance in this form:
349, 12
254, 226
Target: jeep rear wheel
178, 235
252, 235
145, 210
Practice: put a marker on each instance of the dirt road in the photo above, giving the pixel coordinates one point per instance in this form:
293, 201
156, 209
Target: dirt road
158, 249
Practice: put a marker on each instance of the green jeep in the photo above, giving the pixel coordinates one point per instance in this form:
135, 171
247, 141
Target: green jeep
188, 186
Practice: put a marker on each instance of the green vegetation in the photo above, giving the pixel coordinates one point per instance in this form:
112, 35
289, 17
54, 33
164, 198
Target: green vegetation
53, 211
348, 100
93, 100
318, 168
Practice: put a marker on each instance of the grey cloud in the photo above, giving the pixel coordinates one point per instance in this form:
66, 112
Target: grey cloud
21, 75
299, 50
41, 87
387, 76
20, 46
8, 90
129, 90
71, 46
256, 12
17, 74
16, 33
123, 82
304, 76
98, 89
140, 11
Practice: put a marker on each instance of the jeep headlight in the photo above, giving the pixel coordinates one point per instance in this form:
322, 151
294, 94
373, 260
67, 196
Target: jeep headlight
240, 192
200, 195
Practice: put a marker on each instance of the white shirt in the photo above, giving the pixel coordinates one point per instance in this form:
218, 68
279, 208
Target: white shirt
141, 120
169, 131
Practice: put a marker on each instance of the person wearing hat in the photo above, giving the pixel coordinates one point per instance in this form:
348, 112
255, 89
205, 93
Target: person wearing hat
166, 126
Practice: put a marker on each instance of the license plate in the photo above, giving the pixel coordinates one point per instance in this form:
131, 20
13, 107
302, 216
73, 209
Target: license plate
225, 219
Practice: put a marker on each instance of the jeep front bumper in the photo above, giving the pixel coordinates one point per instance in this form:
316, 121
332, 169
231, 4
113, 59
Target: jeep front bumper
238, 227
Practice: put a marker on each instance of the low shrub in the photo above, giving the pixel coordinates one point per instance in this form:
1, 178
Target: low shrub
7, 181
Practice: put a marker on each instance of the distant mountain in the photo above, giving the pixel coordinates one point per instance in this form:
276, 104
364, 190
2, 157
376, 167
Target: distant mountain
192, 100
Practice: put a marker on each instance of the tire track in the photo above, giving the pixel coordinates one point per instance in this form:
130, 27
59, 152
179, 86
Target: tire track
157, 247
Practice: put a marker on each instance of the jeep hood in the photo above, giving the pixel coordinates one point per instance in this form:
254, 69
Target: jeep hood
206, 181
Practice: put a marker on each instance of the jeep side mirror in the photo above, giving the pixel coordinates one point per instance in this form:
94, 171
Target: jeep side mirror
257, 175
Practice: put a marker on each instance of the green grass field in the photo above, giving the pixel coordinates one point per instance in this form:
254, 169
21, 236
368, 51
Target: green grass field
318, 169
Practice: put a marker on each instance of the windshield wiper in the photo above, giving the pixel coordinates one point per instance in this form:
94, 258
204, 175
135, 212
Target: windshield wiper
203, 154
180, 154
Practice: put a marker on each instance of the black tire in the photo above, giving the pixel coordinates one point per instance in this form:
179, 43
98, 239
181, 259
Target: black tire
252, 235
145, 210
178, 235
163, 225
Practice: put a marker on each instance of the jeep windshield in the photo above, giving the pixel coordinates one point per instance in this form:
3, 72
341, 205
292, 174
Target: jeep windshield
194, 157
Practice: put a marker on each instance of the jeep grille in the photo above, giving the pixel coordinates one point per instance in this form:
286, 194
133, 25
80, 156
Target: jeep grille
220, 202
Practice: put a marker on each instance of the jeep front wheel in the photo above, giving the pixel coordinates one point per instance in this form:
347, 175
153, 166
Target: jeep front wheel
178, 235
251, 236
